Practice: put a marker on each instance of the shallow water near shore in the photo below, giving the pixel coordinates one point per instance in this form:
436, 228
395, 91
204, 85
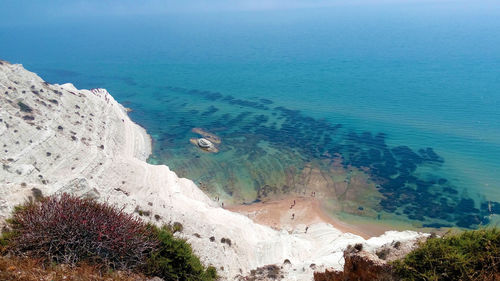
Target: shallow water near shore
383, 132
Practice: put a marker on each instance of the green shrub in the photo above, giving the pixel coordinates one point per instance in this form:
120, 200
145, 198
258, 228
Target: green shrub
471, 255
24, 107
176, 227
383, 253
174, 259
5, 238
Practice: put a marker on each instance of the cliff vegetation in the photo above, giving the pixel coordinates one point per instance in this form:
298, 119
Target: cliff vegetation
468, 256
66, 234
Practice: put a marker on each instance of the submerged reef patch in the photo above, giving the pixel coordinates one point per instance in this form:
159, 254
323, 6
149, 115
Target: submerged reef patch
271, 150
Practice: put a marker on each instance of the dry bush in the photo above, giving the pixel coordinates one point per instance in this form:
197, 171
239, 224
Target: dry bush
67, 229
383, 253
267, 272
26, 269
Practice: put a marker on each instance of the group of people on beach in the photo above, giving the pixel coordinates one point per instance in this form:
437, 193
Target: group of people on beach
313, 194
218, 199
293, 214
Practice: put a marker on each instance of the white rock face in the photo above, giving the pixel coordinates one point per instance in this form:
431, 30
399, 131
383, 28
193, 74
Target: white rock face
83, 142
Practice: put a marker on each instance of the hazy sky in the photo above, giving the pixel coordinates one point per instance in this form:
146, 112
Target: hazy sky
31, 11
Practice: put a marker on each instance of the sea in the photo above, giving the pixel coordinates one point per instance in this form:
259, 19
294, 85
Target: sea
387, 113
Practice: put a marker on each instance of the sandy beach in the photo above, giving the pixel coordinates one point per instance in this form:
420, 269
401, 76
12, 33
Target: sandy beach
283, 214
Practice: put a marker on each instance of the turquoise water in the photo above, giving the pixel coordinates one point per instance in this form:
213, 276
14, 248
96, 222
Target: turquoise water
407, 97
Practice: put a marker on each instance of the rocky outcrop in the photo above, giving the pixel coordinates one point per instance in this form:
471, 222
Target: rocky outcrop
56, 138
362, 264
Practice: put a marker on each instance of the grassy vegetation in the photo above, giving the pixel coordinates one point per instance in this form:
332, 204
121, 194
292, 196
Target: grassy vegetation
29, 269
67, 230
173, 259
470, 255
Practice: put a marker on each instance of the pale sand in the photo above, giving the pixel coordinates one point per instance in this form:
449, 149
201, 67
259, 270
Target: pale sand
307, 211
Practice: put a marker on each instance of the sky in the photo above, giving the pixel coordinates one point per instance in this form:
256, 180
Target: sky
15, 12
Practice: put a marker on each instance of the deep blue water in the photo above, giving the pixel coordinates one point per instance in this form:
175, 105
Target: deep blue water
407, 96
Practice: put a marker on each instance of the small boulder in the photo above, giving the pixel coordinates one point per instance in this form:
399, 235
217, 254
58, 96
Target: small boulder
204, 143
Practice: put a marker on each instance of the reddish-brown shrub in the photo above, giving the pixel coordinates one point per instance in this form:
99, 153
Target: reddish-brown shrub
68, 229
